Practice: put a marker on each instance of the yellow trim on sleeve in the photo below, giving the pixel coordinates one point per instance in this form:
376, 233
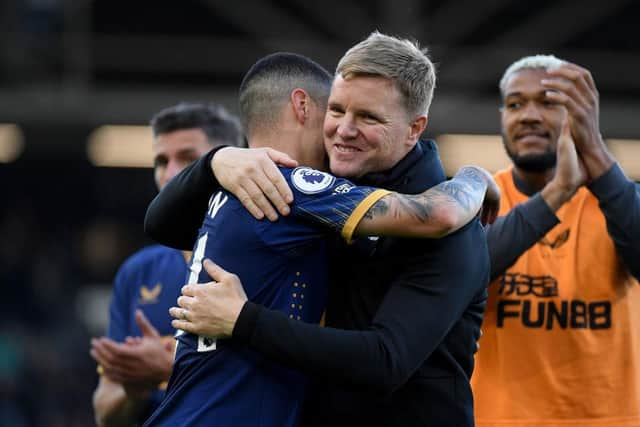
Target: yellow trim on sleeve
360, 210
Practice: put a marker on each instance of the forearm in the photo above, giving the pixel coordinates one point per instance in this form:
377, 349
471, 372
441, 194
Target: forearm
441, 210
114, 408
361, 358
513, 234
619, 200
420, 308
175, 214
555, 196
455, 202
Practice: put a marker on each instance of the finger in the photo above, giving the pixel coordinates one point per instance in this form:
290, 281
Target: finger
254, 188
569, 89
580, 78
121, 354
572, 107
189, 290
565, 142
216, 272
102, 355
185, 302
113, 353
565, 133
584, 74
281, 158
133, 341
271, 190
280, 185
145, 326
94, 354
116, 368
248, 203
177, 313
183, 325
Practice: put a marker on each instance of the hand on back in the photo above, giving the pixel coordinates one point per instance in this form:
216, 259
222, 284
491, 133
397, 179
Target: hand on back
253, 177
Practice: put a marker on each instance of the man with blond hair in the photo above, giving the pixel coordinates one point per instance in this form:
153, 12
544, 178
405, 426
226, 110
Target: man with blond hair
403, 315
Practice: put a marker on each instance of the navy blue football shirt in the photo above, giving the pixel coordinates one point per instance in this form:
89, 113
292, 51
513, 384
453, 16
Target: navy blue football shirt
283, 266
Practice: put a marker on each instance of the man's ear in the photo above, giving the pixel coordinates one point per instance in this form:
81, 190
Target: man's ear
301, 103
416, 127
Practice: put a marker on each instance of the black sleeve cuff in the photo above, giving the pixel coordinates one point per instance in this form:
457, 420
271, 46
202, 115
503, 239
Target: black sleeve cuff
608, 184
539, 214
209, 156
246, 322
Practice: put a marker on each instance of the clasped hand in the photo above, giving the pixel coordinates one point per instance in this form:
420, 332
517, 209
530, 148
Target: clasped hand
210, 309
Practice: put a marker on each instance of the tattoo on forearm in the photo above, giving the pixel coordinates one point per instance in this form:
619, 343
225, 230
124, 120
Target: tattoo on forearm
398, 205
419, 206
465, 190
381, 207
471, 177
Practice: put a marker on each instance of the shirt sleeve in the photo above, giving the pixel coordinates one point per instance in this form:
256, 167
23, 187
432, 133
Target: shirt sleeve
513, 234
120, 307
423, 303
175, 215
331, 202
619, 200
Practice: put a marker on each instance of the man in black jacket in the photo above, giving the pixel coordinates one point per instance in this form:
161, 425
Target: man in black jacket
403, 315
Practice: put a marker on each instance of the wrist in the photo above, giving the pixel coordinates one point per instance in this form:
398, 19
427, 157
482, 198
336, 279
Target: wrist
246, 322
597, 164
555, 194
230, 323
214, 159
139, 392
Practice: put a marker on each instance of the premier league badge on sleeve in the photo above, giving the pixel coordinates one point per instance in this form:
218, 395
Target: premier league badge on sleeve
311, 181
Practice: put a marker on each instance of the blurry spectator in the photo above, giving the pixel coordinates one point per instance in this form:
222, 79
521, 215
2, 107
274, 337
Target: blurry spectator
135, 371
560, 344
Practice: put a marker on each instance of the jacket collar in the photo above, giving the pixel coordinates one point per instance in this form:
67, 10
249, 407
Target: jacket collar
420, 167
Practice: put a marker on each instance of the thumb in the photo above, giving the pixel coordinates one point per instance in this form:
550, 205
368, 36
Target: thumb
565, 134
281, 158
145, 326
214, 270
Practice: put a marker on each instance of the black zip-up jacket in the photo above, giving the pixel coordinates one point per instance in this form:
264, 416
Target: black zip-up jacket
403, 316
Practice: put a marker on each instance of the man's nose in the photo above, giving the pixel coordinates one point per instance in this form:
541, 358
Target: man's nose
530, 113
347, 129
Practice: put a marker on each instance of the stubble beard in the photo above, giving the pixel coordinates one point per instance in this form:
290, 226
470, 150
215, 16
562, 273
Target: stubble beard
541, 162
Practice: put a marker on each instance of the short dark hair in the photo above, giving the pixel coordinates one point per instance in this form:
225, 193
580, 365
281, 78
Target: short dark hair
266, 87
216, 122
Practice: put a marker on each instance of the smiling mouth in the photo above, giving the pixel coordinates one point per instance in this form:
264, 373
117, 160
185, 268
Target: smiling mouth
532, 137
345, 148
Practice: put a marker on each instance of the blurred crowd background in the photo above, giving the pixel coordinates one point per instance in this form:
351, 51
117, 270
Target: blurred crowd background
70, 67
